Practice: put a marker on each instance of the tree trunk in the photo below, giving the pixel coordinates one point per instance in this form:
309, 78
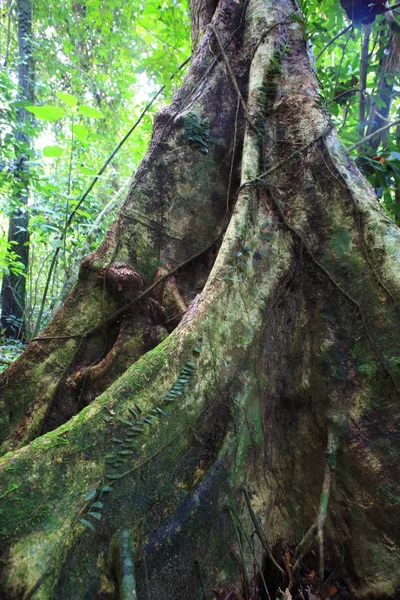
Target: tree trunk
163, 455
14, 285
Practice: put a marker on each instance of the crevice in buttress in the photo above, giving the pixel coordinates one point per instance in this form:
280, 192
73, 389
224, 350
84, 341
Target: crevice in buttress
142, 325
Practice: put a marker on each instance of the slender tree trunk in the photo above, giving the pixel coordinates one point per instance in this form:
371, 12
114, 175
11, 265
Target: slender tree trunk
255, 439
14, 285
380, 109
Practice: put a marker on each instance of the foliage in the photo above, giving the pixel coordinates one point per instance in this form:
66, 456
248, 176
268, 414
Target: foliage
197, 131
339, 71
96, 67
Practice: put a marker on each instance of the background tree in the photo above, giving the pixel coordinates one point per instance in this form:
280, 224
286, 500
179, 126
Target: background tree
252, 443
14, 283
82, 111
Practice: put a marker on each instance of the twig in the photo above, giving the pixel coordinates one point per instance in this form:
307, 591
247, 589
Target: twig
348, 92
242, 562
341, 63
372, 135
334, 40
228, 193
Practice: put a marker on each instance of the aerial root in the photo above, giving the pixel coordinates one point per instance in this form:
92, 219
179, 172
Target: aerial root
318, 526
258, 530
126, 576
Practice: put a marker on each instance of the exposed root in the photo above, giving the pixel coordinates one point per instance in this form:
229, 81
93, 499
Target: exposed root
236, 521
318, 525
259, 531
125, 559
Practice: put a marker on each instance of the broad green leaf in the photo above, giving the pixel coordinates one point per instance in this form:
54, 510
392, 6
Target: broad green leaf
86, 170
47, 113
80, 132
52, 151
68, 99
88, 111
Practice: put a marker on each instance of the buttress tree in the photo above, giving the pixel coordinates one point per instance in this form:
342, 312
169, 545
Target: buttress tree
214, 412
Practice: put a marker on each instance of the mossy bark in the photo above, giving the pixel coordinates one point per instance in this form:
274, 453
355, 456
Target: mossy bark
290, 337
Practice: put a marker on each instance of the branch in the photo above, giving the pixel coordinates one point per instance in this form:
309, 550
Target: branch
349, 27
372, 135
334, 39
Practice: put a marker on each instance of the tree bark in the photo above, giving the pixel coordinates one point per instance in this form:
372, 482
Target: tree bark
14, 285
221, 451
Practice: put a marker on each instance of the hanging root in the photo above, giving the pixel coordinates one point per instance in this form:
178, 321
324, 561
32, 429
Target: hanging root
236, 521
259, 531
318, 525
126, 566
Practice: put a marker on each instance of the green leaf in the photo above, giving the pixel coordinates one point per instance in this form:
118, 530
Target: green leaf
97, 505
52, 151
106, 488
87, 524
96, 515
68, 99
88, 111
86, 170
114, 476
47, 113
90, 495
81, 132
